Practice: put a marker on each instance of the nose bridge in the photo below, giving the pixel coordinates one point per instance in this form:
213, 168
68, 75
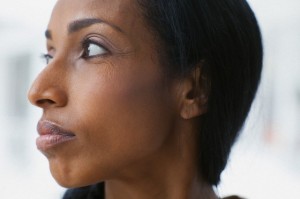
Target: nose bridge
48, 89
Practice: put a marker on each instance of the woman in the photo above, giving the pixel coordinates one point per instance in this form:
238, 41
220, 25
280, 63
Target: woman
144, 98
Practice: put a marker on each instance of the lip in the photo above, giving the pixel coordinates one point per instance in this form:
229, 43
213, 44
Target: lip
52, 135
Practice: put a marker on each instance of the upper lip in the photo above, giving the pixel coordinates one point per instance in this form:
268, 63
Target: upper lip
49, 128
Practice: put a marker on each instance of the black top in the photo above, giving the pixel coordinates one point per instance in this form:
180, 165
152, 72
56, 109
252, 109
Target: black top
96, 192
89, 192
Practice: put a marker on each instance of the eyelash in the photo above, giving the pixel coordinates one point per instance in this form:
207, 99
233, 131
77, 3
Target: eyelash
85, 44
47, 57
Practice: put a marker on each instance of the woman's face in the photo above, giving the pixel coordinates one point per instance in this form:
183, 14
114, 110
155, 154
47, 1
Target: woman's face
107, 106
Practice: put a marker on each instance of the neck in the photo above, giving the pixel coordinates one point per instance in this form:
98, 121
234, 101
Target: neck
171, 173
158, 190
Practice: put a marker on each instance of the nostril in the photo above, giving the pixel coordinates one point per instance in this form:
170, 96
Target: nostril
43, 102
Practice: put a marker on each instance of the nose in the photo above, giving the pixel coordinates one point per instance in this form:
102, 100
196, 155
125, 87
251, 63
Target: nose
47, 91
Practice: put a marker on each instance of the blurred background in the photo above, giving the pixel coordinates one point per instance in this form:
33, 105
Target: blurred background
265, 162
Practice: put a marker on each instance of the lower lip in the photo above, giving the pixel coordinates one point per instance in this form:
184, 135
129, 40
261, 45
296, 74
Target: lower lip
46, 142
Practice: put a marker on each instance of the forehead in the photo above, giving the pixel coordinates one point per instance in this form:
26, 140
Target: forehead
123, 13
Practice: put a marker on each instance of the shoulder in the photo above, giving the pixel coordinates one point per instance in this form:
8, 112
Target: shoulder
233, 197
97, 192
89, 192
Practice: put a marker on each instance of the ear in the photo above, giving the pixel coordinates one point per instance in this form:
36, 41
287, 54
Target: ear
195, 88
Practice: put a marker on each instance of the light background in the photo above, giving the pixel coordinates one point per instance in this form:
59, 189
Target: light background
265, 162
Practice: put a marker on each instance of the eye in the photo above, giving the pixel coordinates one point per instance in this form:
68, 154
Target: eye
47, 58
93, 49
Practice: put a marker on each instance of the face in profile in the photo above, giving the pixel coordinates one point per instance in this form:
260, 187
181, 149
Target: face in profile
108, 109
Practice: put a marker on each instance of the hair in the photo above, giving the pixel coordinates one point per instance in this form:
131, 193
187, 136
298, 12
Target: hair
224, 36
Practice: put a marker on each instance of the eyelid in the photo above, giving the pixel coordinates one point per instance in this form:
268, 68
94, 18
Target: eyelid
102, 41
92, 41
49, 45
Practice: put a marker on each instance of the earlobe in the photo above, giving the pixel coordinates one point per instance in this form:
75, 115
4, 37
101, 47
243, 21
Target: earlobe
194, 107
195, 94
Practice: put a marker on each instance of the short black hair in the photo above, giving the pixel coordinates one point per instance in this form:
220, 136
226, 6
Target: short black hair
225, 36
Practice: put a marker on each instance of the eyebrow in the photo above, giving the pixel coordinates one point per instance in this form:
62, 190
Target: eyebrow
80, 24
48, 34
84, 23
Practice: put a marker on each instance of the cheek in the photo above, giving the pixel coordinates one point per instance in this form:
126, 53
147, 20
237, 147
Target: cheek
125, 109
120, 118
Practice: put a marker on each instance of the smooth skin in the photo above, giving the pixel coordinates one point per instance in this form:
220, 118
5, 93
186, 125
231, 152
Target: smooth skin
135, 128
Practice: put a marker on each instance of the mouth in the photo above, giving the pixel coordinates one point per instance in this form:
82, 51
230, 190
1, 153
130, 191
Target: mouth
52, 135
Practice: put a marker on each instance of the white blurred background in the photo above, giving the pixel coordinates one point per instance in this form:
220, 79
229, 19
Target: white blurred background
265, 163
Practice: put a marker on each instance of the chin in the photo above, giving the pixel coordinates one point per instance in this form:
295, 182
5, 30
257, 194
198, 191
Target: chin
63, 174
72, 176
70, 182
63, 177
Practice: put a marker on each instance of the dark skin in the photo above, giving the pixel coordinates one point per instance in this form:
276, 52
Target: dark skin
134, 128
